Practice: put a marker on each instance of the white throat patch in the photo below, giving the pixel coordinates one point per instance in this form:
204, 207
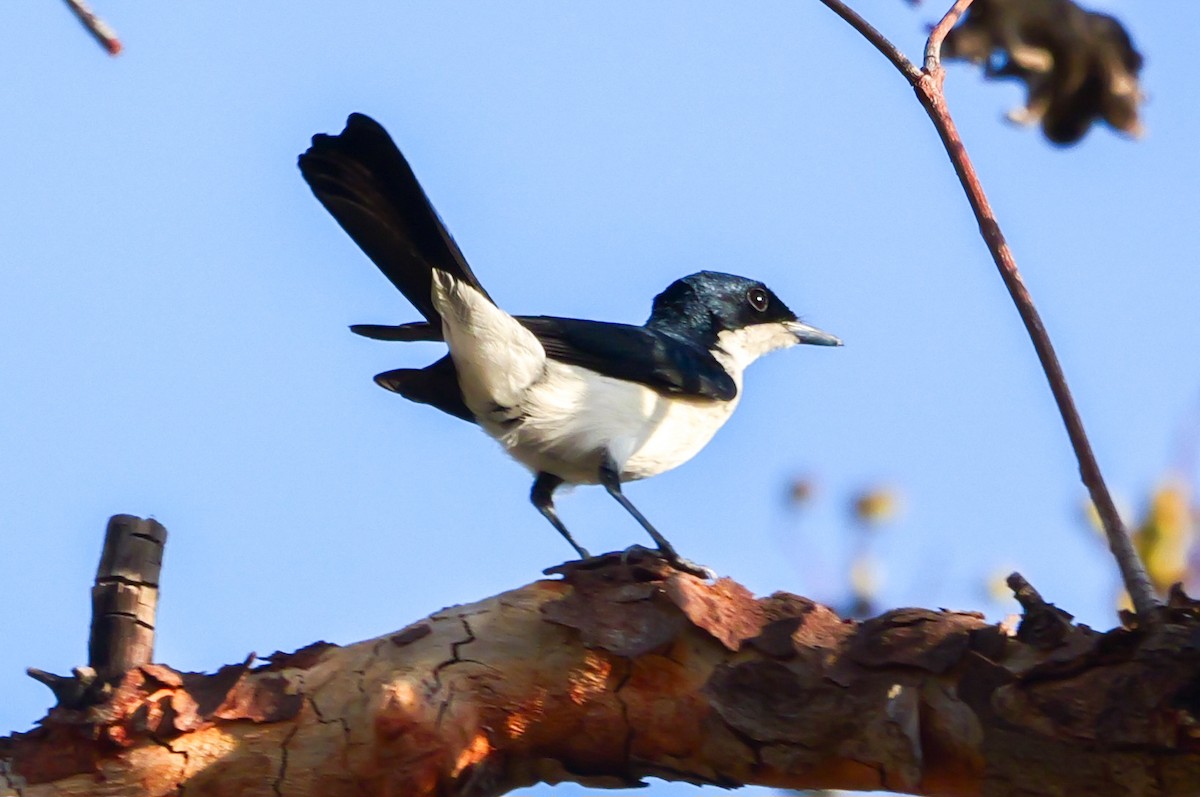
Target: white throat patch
744, 346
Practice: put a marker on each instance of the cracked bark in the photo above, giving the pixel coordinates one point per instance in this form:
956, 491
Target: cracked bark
629, 671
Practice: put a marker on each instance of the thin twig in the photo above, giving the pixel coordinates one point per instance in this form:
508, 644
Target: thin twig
881, 42
933, 47
928, 87
100, 31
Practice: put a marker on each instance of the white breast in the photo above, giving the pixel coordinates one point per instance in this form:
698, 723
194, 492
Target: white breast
572, 416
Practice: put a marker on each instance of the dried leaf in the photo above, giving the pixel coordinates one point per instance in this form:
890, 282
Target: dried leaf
1078, 66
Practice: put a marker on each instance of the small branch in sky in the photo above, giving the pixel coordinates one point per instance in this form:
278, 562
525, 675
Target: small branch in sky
99, 29
927, 83
881, 42
933, 47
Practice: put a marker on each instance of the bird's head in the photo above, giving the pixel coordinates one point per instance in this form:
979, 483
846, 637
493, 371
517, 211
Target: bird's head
740, 316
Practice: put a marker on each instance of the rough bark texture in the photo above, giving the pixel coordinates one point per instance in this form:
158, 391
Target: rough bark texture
630, 670
125, 595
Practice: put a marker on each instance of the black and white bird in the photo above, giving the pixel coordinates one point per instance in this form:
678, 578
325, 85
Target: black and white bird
575, 401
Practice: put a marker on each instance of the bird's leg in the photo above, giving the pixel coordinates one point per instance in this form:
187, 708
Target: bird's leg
542, 496
610, 477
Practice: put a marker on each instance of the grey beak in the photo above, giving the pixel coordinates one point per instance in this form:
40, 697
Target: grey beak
806, 334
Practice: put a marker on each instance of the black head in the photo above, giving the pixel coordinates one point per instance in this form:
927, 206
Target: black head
703, 305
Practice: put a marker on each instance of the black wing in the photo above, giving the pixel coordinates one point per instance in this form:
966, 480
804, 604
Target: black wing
622, 351
635, 354
364, 182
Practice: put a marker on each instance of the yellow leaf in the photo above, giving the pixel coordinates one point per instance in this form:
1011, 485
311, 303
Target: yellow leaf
876, 505
1165, 535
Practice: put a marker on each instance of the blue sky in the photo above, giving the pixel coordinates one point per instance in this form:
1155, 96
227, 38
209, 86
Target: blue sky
174, 304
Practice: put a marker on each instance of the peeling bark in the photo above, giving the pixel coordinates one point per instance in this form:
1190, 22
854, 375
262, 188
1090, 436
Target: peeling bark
625, 671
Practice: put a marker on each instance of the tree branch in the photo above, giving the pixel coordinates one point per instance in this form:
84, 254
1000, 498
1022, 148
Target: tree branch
100, 30
881, 42
933, 46
625, 671
927, 83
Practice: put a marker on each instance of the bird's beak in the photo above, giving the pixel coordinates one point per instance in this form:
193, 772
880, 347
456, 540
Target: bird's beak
806, 334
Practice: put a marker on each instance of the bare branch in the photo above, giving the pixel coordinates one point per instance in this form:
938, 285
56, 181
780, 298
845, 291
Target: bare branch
928, 87
933, 47
881, 42
100, 30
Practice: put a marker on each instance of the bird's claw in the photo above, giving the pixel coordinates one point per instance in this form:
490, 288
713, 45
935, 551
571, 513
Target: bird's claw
635, 552
670, 557
632, 556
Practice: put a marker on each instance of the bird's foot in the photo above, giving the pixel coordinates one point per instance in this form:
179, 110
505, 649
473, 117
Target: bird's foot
632, 556
587, 562
635, 552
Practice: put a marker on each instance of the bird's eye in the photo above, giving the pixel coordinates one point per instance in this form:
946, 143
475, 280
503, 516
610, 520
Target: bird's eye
758, 299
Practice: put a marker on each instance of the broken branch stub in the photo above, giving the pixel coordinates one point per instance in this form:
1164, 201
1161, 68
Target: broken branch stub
125, 595
124, 606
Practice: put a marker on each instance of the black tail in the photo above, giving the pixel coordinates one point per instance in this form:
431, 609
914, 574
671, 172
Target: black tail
436, 385
417, 330
364, 182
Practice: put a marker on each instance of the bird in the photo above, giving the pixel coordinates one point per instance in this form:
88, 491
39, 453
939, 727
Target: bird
575, 401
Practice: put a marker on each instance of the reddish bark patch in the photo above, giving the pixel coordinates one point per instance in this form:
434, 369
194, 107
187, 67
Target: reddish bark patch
929, 640
209, 693
264, 699
726, 610
617, 606
52, 752
799, 626
633, 608
151, 702
625, 620
770, 702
